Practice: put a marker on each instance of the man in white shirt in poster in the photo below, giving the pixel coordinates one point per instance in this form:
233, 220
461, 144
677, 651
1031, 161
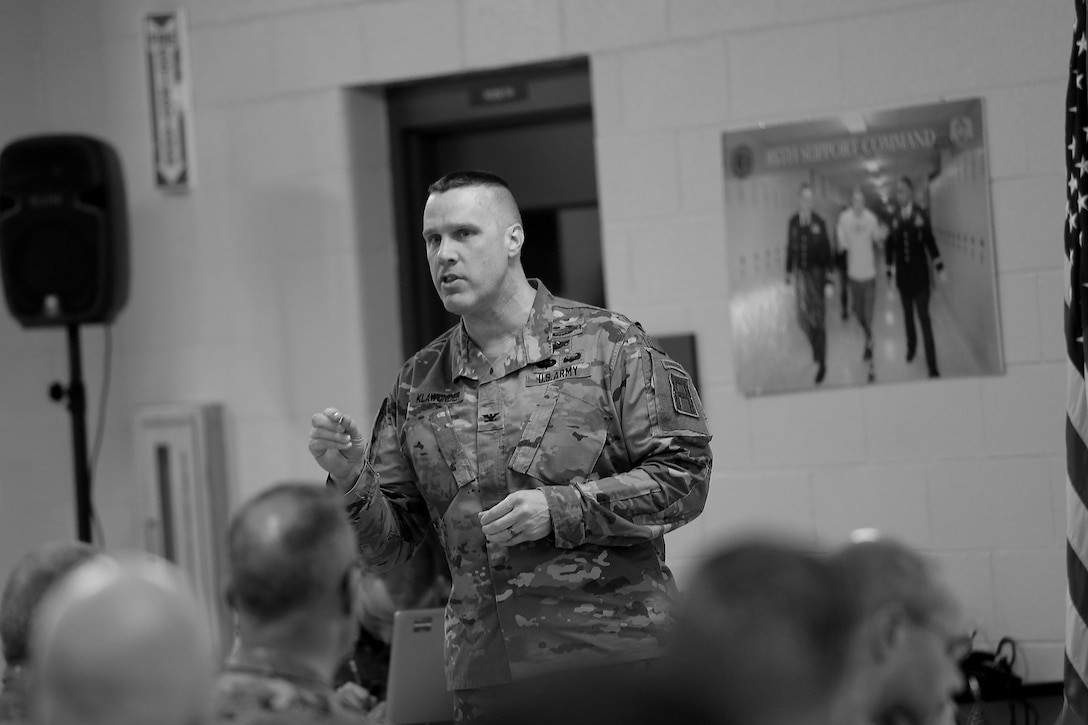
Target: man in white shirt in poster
859, 233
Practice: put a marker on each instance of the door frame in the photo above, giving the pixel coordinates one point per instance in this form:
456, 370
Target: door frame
420, 110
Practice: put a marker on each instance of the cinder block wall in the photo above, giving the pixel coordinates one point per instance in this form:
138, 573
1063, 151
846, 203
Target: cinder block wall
259, 288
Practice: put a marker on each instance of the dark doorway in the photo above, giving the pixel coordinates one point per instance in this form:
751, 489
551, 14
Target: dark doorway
532, 126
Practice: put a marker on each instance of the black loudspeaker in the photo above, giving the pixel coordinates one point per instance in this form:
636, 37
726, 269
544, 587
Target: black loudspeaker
63, 231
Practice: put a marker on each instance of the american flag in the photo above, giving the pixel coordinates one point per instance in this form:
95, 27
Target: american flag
1075, 711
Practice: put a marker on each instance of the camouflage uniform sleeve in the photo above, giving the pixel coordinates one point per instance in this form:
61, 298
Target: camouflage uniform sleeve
385, 506
665, 435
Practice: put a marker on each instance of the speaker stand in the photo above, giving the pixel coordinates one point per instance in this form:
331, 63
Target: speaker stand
76, 396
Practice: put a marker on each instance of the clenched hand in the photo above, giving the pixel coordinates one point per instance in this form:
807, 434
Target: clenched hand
520, 517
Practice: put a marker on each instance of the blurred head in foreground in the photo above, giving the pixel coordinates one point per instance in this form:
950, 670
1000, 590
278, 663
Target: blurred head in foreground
122, 642
294, 576
911, 635
763, 637
34, 576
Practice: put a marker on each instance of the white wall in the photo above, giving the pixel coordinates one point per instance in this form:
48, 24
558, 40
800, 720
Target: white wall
264, 289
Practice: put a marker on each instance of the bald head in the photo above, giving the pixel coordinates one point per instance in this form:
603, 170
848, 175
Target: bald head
290, 548
31, 580
122, 642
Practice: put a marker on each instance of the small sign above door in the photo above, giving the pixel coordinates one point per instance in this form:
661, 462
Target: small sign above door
495, 94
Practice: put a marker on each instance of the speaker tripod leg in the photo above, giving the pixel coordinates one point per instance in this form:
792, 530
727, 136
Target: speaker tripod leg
77, 408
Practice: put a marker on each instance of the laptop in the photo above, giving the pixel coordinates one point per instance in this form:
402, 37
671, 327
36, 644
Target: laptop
416, 690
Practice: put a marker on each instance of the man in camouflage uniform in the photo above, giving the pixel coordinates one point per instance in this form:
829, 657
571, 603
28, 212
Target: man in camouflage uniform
808, 254
551, 444
294, 587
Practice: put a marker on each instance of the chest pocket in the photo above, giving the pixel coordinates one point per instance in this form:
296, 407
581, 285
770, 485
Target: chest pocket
562, 439
435, 431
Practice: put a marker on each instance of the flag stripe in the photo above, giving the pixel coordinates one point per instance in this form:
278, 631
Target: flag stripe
1076, 696
1076, 406
1077, 526
1076, 657
1076, 452
1077, 598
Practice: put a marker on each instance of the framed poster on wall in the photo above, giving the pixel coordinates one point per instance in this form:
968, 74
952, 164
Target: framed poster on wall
860, 249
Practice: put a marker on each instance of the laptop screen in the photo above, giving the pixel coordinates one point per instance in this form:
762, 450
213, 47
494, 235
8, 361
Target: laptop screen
416, 691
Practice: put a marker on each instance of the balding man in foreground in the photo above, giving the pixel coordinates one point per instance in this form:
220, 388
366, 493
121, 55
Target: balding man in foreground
122, 643
550, 443
911, 637
34, 576
294, 586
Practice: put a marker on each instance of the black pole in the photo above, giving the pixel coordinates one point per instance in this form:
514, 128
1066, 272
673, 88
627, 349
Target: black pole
77, 406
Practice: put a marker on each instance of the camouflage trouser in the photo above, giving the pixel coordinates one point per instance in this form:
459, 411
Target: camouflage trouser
470, 705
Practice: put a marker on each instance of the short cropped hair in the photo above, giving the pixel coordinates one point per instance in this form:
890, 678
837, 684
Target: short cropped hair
485, 179
462, 179
278, 570
34, 576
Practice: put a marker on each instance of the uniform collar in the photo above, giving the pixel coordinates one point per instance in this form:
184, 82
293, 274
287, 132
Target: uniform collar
531, 346
265, 662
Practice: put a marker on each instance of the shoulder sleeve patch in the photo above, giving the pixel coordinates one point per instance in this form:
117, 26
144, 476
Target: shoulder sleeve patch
675, 408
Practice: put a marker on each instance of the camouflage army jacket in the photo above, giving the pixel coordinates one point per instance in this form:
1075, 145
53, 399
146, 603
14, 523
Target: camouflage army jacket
260, 687
585, 408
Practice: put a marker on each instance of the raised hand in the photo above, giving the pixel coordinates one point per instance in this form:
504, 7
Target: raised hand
338, 446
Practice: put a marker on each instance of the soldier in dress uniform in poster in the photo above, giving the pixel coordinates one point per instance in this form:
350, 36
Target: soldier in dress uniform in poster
907, 255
